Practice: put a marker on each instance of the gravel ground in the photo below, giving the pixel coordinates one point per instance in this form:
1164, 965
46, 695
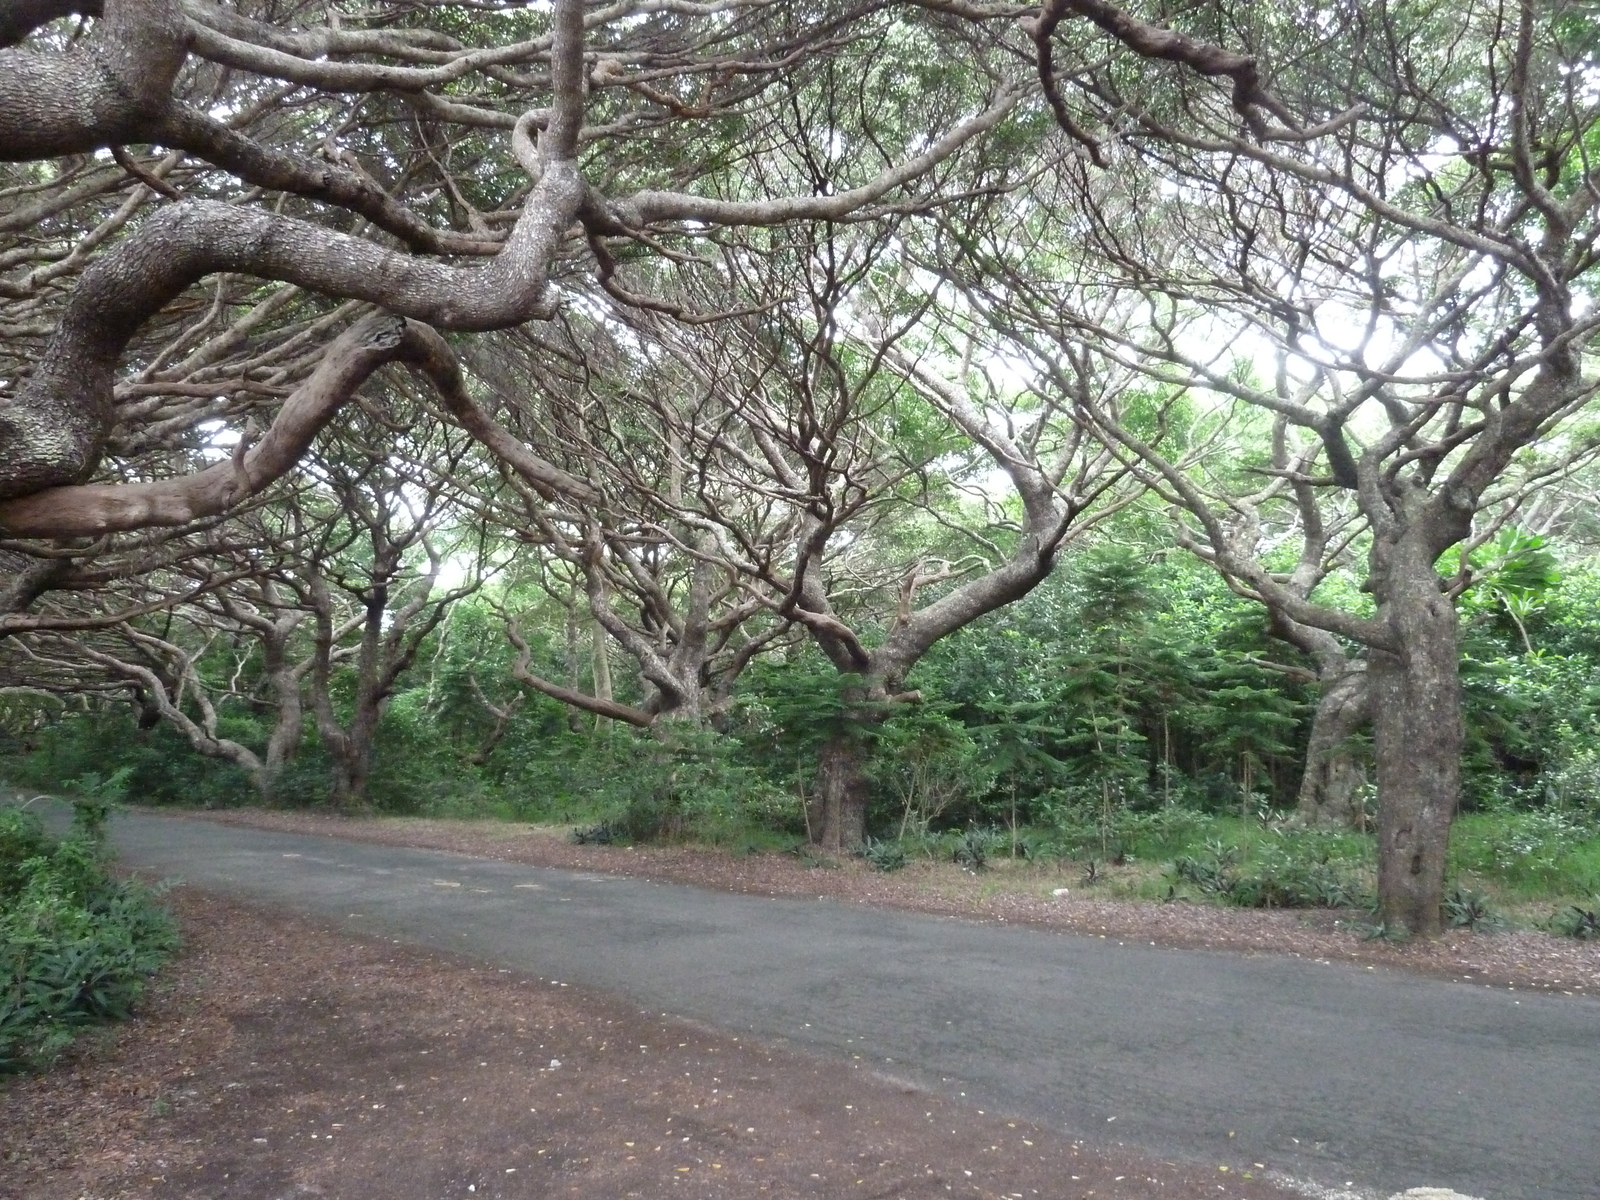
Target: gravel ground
1020, 895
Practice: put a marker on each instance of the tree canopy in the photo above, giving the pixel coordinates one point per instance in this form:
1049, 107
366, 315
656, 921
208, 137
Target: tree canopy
744, 330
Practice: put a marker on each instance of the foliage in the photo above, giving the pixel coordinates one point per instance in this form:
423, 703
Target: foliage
1538, 852
927, 765
1288, 871
602, 833
76, 944
98, 744
1119, 713
884, 854
1467, 909
94, 799
1576, 921
685, 783
974, 848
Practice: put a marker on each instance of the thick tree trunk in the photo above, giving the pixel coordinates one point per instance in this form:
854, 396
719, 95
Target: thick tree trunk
1330, 789
837, 812
1417, 738
352, 770
288, 729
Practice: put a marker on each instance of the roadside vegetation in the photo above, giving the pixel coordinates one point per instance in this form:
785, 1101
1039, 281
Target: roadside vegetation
77, 943
1131, 730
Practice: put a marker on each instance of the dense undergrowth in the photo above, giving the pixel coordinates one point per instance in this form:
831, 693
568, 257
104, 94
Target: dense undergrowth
1123, 724
77, 944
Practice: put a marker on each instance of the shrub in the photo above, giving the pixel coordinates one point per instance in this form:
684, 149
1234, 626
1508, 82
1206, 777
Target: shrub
94, 798
930, 764
1466, 909
975, 847
1575, 921
21, 840
1212, 870
883, 854
1288, 872
157, 766
1544, 851
76, 944
604, 833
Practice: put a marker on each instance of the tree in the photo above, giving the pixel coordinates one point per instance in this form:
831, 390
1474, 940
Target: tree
368, 566
615, 395
1401, 239
871, 432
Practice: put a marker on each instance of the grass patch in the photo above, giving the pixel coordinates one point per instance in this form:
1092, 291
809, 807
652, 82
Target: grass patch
1539, 857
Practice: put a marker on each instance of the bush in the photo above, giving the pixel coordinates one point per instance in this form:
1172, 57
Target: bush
605, 833
975, 847
1466, 909
76, 944
94, 799
21, 840
1547, 852
1575, 921
156, 766
1292, 871
884, 855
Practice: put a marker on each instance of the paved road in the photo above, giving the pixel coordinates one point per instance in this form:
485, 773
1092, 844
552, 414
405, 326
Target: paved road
1334, 1073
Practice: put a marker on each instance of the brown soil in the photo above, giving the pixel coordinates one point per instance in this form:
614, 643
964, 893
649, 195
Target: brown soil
1515, 959
281, 1059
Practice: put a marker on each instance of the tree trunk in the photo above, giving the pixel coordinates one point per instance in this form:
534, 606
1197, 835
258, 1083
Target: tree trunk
838, 811
352, 770
575, 723
602, 671
1330, 789
1417, 738
288, 729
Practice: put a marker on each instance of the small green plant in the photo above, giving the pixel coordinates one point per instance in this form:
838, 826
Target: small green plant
1467, 909
1286, 872
1575, 921
22, 839
884, 854
973, 849
94, 798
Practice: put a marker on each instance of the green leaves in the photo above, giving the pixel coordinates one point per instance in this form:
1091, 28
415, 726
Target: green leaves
1575, 921
76, 945
1298, 870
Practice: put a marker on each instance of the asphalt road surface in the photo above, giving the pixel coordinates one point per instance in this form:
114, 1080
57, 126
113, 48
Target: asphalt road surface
1335, 1073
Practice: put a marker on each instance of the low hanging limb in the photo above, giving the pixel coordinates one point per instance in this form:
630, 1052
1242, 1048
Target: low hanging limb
92, 509
568, 696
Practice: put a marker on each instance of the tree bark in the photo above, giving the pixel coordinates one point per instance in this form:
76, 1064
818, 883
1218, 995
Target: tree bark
1417, 737
838, 809
1330, 788
352, 769
601, 658
288, 728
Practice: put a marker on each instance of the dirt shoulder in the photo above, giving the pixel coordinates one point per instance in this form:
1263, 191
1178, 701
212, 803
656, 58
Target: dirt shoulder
1022, 895
278, 1058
